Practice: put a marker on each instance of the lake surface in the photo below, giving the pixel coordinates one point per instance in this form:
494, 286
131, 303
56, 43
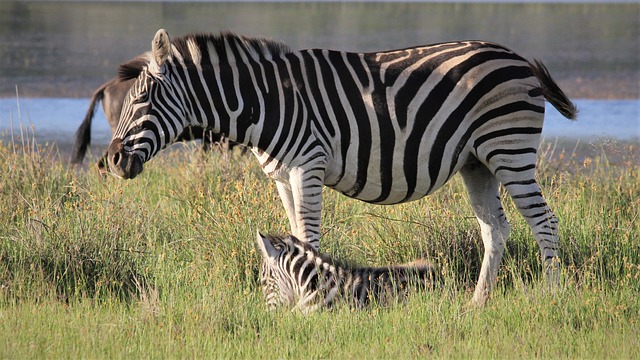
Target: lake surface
67, 49
57, 53
57, 119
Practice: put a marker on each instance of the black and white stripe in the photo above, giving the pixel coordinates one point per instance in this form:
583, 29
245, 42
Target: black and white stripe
385, 128
294, 275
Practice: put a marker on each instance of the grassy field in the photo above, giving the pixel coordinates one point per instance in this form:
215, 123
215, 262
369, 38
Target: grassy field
165, 266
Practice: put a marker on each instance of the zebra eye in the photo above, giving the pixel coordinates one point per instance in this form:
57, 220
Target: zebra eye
141, 98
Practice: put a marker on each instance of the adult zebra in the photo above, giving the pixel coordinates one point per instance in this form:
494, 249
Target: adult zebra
385, 128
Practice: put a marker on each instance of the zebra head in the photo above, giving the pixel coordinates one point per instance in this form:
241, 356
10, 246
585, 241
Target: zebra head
276, 283
289, 273
151, 117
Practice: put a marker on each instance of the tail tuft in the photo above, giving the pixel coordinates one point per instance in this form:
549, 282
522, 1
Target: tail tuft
552, 91
83, 134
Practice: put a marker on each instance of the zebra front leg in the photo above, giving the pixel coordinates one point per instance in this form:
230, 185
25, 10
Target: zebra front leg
485, 201
306, 188
286, 196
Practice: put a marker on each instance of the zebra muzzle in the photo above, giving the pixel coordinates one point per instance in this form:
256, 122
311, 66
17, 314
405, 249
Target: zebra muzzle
122, 164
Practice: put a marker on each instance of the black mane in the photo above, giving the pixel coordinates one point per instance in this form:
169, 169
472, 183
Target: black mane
132, 68
327, 258
261, 46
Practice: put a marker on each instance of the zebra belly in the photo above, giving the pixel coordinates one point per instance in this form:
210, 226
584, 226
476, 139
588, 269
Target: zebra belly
394, 195
393, 190
400, 179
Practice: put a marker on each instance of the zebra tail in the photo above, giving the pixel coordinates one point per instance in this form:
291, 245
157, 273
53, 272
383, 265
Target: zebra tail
552, 91
83, 134
424, 270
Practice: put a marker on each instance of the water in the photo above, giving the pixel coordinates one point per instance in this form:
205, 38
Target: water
51, 119
67, 49
57, 119
597, 119
57, 53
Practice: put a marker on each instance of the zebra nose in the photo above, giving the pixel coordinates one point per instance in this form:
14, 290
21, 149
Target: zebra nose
121, 164
116, 159
115, 148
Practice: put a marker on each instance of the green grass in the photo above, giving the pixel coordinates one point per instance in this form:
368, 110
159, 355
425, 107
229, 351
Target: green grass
165, 266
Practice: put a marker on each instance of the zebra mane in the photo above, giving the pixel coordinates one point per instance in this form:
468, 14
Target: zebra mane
132, 68
419, 264
262, 47
324, 256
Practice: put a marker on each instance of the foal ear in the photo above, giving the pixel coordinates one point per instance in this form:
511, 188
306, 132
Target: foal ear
266, 247
160, 47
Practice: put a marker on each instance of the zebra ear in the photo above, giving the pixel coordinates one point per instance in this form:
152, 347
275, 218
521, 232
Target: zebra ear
160, 47
266, 247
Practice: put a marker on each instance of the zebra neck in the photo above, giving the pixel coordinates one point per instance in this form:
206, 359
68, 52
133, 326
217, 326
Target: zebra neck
342, 284
360, 286
334, 284
243, 98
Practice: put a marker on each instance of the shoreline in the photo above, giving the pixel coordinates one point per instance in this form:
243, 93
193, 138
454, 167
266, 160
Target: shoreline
590, 86
554, 149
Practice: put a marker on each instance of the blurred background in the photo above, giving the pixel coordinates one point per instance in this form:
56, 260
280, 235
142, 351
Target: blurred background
63, 50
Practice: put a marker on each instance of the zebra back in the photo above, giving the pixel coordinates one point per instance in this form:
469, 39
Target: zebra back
295, 275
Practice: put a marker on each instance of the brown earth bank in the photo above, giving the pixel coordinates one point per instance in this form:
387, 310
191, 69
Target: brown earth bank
558, 152
589, 86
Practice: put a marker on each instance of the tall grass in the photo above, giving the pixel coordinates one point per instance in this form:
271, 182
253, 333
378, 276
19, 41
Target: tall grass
165, 265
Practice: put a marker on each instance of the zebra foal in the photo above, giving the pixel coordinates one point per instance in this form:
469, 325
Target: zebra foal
385, 127
294, 274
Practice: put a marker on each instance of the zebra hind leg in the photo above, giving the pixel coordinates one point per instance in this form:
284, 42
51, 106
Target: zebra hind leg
527, 196
483, 188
